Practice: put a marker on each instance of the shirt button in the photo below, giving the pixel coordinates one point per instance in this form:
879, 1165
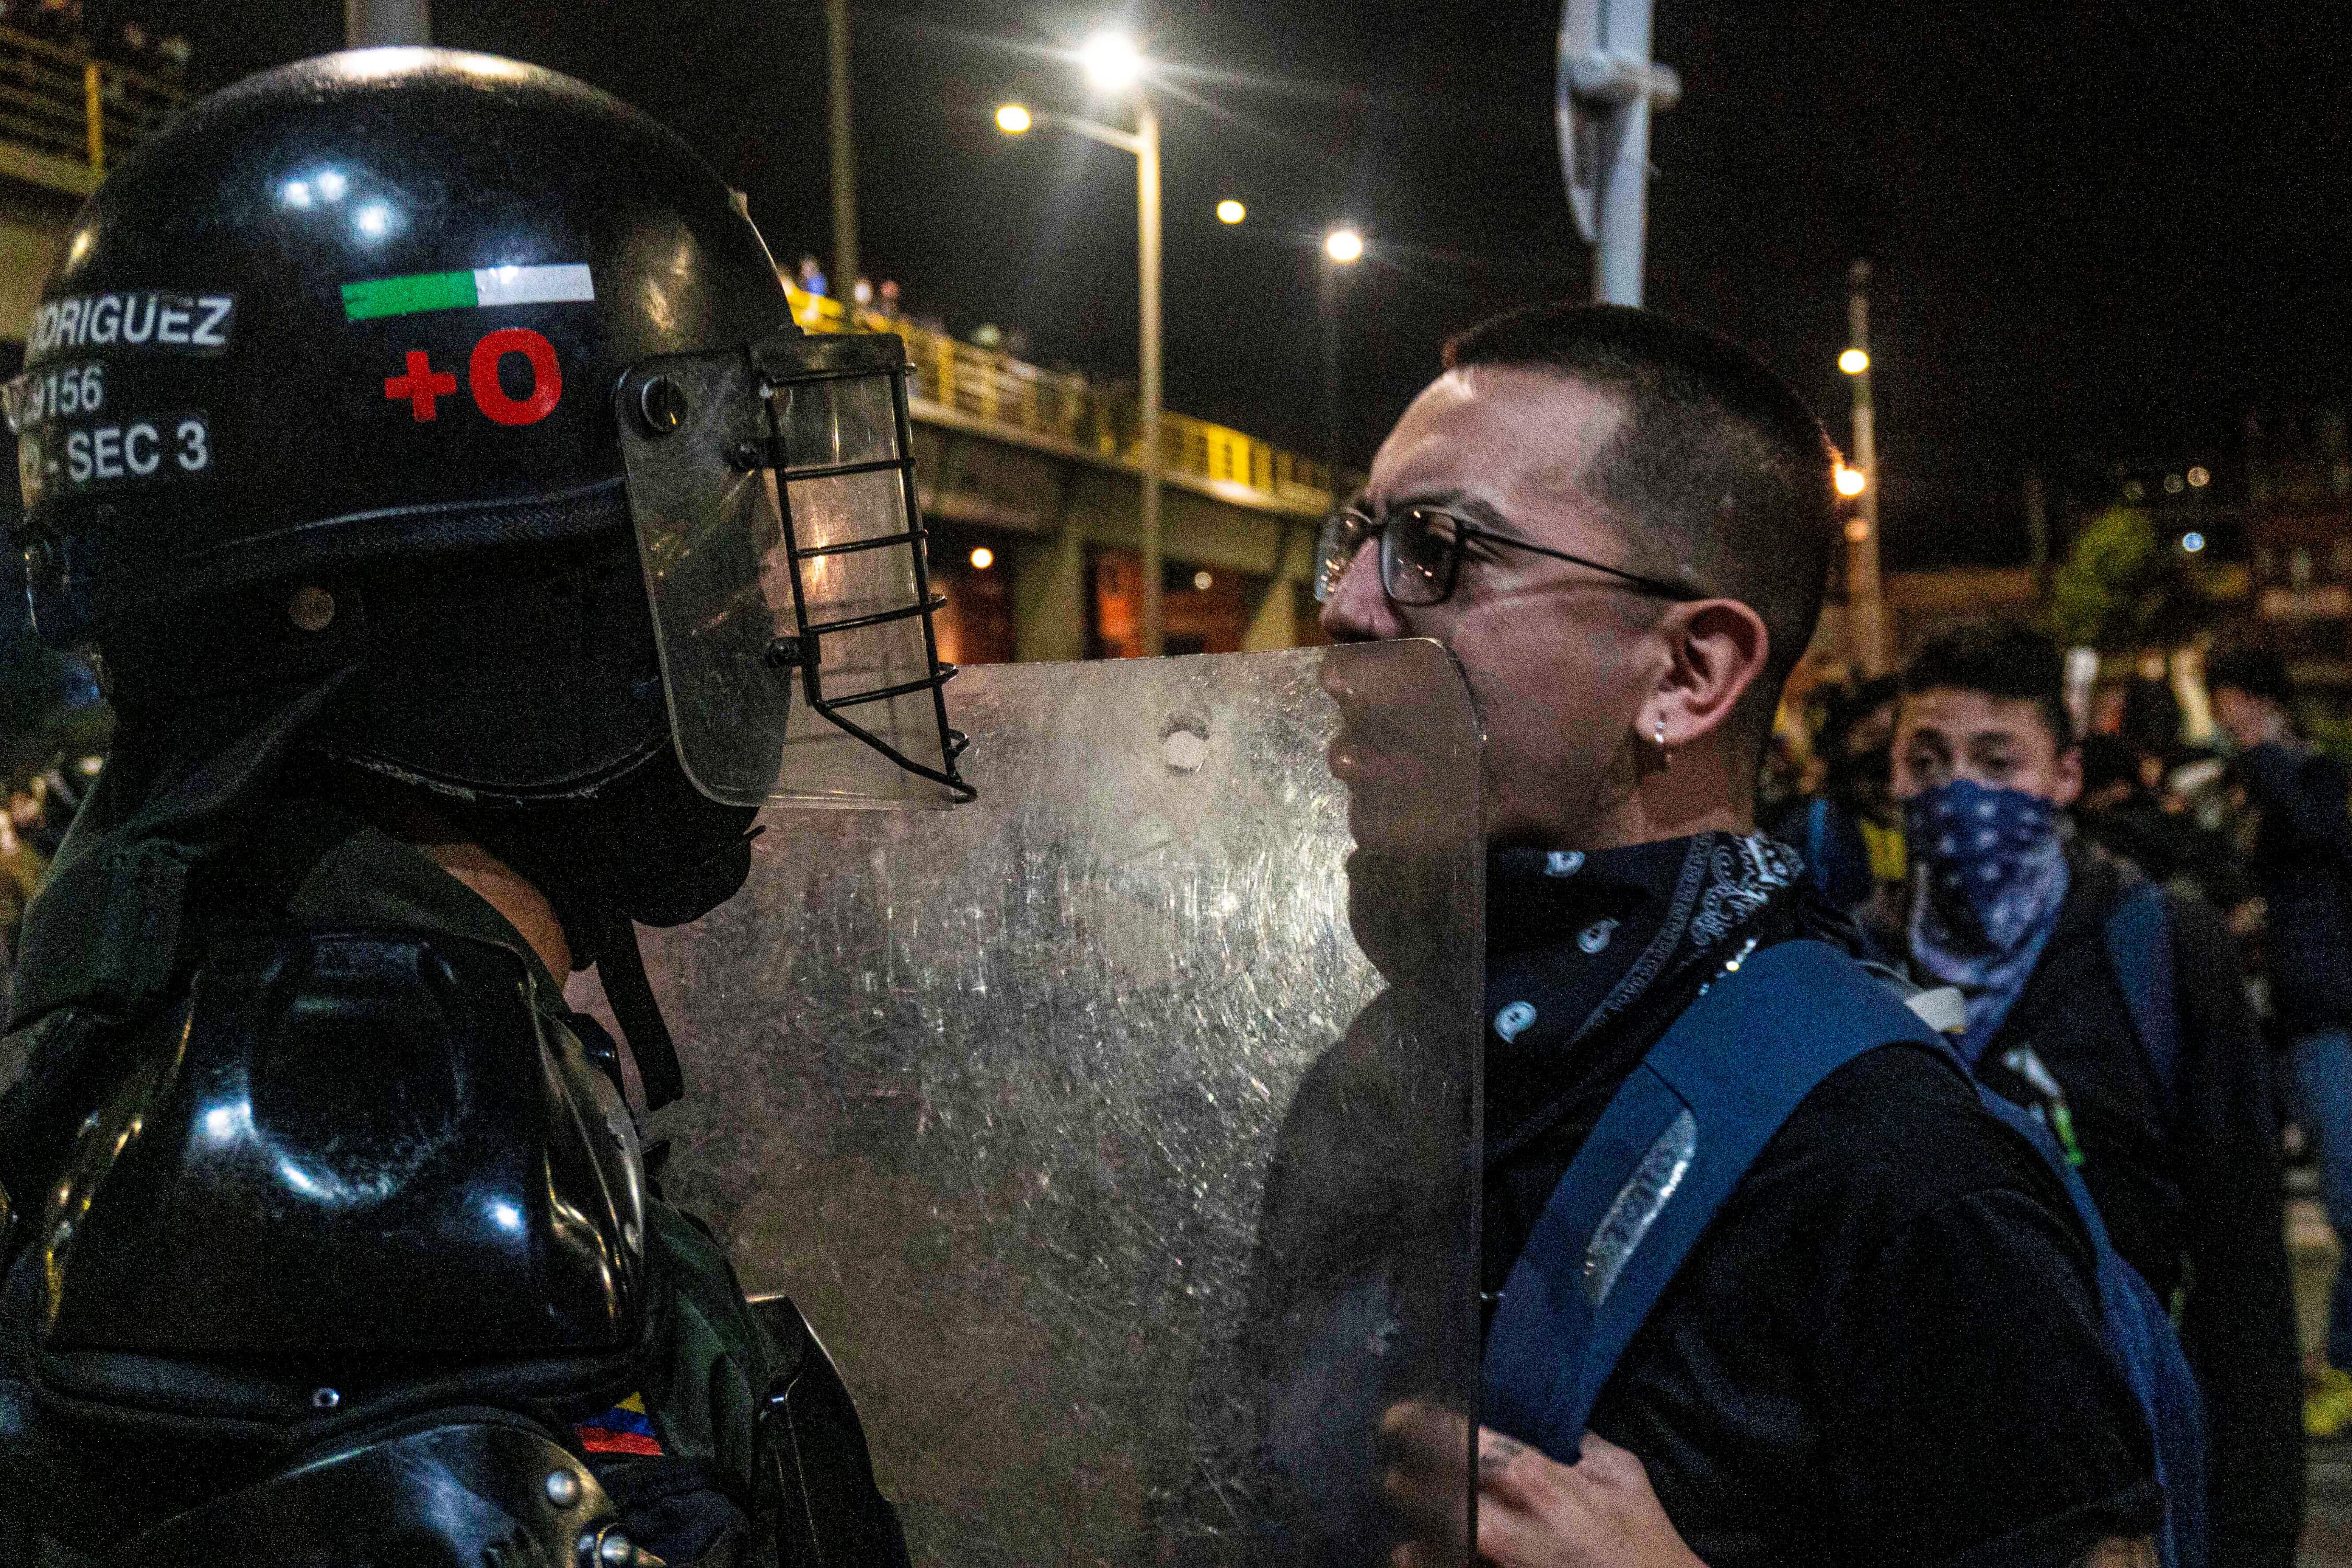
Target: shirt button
1595, 937
1513, 1020
1563, 862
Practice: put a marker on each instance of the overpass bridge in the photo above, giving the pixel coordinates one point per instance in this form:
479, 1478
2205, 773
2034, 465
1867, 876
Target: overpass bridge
1031, 477
64, 114
1038, 473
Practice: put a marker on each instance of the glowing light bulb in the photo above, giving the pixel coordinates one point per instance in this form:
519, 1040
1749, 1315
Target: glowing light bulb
1231, 211
1851, 481
1344, 246
1014, 120
983, 559
1853, 362
1111, 61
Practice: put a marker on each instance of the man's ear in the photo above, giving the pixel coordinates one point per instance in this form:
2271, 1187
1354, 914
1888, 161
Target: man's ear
2066, 777
1720, 649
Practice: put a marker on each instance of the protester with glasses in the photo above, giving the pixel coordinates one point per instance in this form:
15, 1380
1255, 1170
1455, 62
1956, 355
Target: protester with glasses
1885, 1346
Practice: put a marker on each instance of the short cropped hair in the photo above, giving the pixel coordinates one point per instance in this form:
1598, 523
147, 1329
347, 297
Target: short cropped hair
2256, 671
1720, 477
2001, 660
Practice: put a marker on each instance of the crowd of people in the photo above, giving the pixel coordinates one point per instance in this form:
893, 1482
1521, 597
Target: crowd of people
2170, 1077
2089, 896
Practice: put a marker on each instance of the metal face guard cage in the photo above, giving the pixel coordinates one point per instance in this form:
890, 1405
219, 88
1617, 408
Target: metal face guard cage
773, 489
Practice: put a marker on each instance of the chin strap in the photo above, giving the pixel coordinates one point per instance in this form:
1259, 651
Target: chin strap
622, 970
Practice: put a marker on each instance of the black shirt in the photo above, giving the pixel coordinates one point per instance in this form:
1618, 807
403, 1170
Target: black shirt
1887, 1349
2190, 1190
2303, 863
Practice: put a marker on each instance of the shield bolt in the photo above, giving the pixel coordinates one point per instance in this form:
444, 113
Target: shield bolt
613, 1549
662, 402
310, 608
562, 1488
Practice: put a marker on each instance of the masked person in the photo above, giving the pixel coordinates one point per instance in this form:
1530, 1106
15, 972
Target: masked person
2115, 1011
422, 442
1881, 1342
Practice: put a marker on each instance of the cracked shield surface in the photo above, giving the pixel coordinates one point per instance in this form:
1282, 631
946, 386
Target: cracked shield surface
1117, 1133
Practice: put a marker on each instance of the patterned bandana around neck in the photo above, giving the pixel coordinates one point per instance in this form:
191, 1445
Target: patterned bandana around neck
1575, 941
1991, 875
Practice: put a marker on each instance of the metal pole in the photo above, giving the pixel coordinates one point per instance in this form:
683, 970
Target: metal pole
2037, 530
93, 100
844, 156
1626, 178
1146, 163
1865, 614
1327, 299
371, 24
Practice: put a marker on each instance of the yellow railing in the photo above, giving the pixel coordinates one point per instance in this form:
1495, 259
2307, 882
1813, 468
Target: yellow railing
60, 101
1000, 390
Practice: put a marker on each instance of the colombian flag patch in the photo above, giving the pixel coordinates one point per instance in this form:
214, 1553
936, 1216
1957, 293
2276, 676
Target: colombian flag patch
623, 1429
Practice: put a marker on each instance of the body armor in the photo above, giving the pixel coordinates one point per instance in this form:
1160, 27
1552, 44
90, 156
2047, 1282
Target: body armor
428, 411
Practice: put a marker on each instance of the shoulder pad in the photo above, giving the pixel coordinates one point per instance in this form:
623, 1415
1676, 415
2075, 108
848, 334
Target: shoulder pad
362, 1152
477, 1486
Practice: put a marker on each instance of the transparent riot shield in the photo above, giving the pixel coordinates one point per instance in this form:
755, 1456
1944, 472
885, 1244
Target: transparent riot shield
1117, 1133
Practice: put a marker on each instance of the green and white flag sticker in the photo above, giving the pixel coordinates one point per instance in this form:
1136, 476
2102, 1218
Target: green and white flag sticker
421, 292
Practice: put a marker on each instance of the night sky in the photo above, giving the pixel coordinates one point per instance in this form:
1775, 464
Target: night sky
2102, 232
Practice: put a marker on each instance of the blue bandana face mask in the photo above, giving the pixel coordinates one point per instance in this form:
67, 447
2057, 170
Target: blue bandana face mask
1994, 864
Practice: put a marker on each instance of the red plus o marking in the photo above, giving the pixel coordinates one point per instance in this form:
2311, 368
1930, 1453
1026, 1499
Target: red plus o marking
422, 385
482, 374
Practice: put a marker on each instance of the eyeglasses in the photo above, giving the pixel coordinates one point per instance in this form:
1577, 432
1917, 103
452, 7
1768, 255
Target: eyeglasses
1421, 555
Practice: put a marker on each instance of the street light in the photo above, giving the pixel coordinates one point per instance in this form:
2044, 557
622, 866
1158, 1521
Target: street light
1113, 64
1344, 245
1230, 211
1865, 610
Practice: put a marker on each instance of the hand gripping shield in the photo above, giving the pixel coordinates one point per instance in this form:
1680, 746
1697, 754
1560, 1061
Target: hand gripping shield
1118, 1133
773, 490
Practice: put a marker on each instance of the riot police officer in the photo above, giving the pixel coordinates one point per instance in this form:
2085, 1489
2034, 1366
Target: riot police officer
422, 444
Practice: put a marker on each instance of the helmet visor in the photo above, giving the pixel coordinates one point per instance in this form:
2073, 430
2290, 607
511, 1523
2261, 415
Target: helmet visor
773, 496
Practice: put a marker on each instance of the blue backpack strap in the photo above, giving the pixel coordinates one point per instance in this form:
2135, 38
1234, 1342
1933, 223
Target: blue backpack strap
2146, 1349
1664, 1157
2139, 946
1817, 844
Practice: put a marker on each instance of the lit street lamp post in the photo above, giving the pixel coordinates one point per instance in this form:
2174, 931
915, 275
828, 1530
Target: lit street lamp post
1865, 618
1113, 64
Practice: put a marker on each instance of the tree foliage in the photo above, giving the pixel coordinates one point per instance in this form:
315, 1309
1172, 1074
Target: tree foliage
2121, 588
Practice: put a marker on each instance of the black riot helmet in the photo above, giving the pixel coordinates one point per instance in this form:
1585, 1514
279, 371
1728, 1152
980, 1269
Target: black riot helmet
466, 386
